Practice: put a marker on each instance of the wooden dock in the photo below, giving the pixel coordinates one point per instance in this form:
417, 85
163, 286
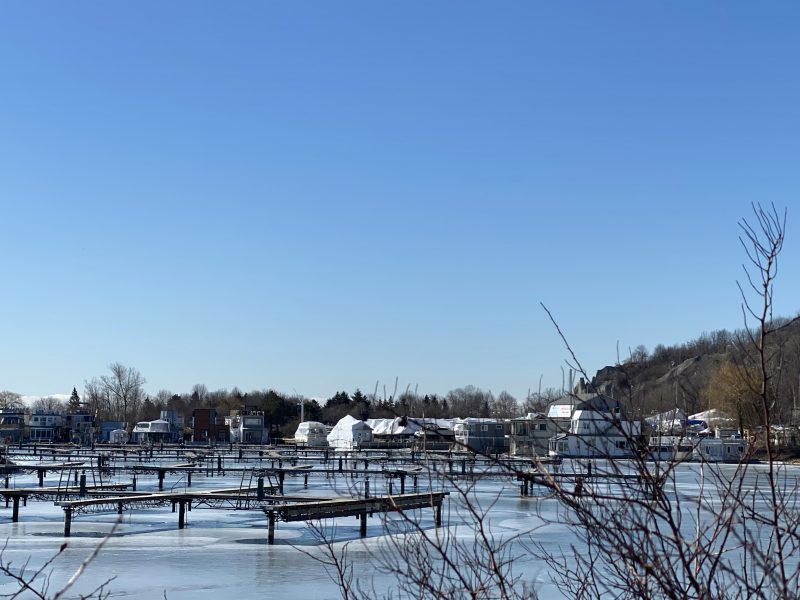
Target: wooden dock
13, 495
286, 508
349, 507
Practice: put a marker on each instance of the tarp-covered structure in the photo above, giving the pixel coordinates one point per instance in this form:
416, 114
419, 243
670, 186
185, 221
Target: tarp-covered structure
349, 433
407, 427
669, 422
398, 427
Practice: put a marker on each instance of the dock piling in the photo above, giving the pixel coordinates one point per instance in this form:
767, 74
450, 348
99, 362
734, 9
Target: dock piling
67, 521
271, 531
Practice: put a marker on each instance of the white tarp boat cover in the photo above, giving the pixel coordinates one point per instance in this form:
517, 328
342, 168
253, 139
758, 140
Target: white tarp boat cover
398, 427
665, 422
349, 432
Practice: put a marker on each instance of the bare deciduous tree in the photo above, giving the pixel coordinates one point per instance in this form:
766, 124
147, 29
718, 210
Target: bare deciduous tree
10, 400
48, 404
505, 406
124, 389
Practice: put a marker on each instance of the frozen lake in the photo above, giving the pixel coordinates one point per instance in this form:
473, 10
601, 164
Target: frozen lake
225, 550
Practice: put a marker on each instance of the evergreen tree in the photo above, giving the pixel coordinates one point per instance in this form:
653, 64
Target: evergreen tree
74, 402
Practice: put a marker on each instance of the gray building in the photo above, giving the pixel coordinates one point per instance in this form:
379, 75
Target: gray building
482, 436
530, 435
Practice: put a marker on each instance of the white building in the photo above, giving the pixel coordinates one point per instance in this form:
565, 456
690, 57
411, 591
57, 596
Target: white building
598, 428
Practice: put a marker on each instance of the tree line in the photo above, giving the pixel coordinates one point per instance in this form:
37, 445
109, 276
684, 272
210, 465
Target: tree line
120, 395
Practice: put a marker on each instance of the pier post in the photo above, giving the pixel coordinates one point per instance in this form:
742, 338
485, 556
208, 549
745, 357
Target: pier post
119, 508
366, 488
438, 514
15, 510
402, 483
160, 480
82, 489
240, 453
41, 477
305, 480
281, 475
76, 478
133, 484
67, 520
189, 478
415, 483
6, 481
271, 529
362, 530
390, 486
219, 463
260, 489
181, 514
340, 464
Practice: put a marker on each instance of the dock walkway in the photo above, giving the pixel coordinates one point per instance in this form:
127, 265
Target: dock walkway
349, 507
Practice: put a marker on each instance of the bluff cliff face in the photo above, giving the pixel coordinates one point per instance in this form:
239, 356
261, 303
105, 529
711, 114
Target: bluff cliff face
680, 375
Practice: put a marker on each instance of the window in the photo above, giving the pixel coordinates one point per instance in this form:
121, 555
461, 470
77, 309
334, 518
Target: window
484, 428
585, 425
498, 426
621, 445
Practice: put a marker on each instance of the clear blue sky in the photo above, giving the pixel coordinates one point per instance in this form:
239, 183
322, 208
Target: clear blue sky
316, 196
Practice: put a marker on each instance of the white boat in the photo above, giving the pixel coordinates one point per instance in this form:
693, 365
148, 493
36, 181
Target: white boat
714, 449
311, 433
151, 431
671, 448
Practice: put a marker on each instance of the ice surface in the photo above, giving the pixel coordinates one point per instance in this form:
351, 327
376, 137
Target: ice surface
223, 553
